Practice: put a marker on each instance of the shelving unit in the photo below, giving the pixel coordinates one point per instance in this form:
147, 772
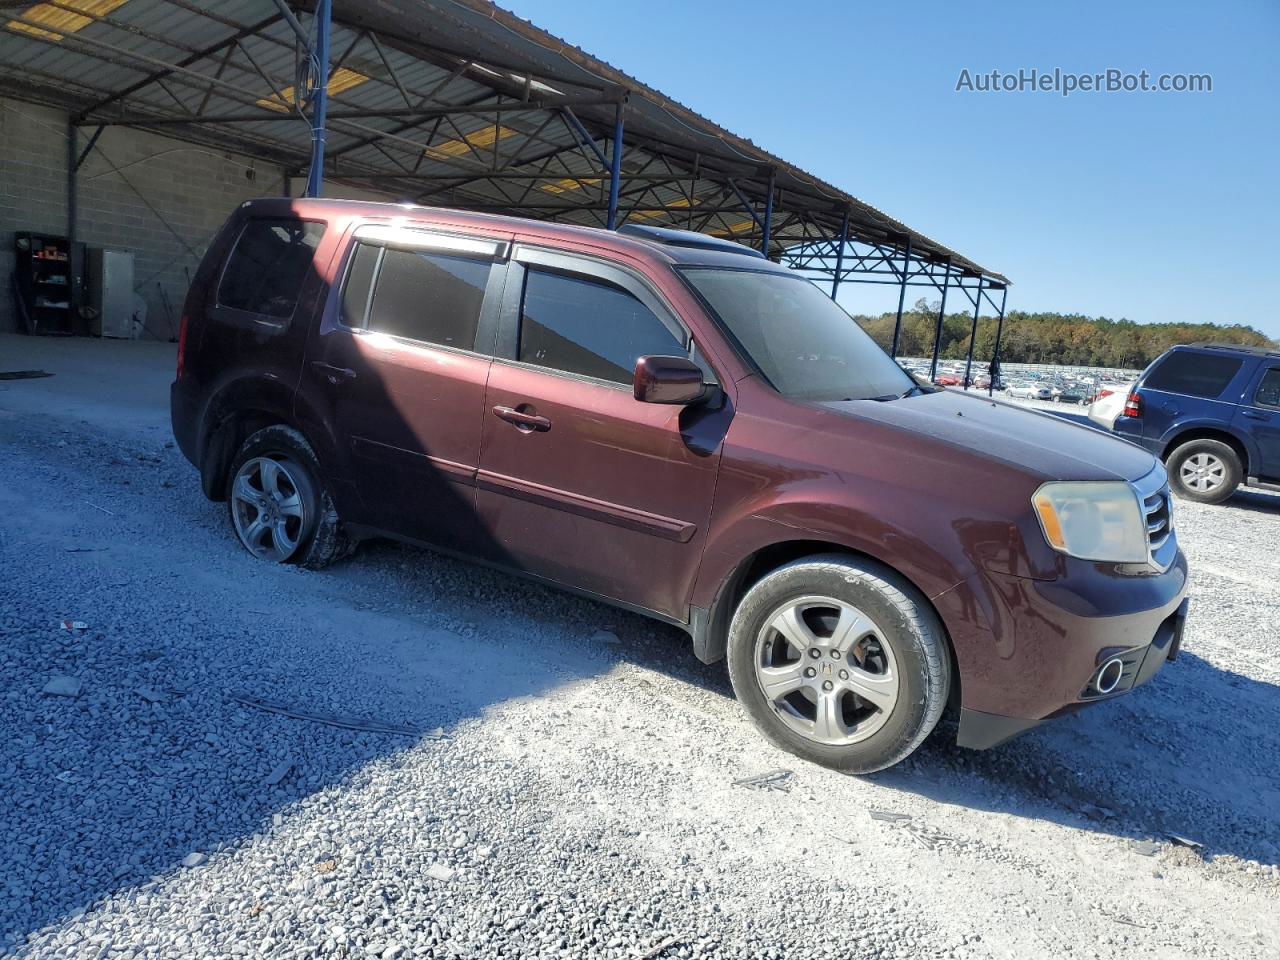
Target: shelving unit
43, 283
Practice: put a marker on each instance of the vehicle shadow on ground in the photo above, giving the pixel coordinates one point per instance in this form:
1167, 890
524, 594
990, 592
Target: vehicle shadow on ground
1094, 769
1089, 770
157, 760
1253, 501
198, 773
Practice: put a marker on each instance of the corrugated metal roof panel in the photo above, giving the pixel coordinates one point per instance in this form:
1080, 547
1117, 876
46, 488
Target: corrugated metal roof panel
415, 60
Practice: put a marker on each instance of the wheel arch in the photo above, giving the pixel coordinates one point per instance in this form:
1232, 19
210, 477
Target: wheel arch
1206, 432
234, 412
710, 627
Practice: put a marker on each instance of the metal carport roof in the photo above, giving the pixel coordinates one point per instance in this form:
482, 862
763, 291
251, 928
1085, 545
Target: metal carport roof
454, 103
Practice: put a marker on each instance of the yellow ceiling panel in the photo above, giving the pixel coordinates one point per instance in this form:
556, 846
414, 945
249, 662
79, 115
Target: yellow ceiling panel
61, 20
479, 139
650, 214
743, 226
564, 186
341, 79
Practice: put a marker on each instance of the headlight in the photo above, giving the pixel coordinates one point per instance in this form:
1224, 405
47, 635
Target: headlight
1093, 521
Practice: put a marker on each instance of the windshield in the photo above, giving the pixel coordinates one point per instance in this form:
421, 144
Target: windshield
806, 345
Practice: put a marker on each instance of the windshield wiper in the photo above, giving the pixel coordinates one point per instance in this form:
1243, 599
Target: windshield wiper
915, 388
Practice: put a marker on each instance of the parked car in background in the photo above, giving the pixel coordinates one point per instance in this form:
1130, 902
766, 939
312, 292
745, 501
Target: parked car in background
672, 423
1108, 403
1029, 391
947, 380
1212, 413
1066, 394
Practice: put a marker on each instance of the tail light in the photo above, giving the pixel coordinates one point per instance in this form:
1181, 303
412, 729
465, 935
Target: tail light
182, 346
1133, 406
1104, 393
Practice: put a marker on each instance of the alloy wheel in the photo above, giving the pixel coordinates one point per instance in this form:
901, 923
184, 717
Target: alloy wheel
827, 670
1202, 472
268, 508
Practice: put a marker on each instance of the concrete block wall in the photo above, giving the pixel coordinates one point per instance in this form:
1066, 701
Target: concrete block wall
159, 198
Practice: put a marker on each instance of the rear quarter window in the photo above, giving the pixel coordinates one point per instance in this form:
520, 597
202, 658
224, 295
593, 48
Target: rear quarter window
1195, 374
267, 266
1269, 389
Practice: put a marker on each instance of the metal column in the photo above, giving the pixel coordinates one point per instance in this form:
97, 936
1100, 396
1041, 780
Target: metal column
902, 297
840, 242
320, 97
973, 334
73, 256
768, 218
937, 329
615, 168
995, 353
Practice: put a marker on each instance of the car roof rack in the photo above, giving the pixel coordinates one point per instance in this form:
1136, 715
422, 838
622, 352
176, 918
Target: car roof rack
1238, 348
685, 238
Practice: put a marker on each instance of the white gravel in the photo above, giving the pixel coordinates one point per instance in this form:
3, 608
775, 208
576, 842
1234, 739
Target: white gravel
579, 798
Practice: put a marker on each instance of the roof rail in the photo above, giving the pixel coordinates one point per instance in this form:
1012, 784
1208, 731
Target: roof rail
686, 238
1239, 348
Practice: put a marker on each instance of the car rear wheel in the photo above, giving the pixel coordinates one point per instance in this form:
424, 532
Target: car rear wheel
278, 503
1205, 471
839, 661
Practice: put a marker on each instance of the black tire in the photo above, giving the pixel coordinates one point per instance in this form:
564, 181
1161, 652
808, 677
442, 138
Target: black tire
321, 541
1232, 470
909, 626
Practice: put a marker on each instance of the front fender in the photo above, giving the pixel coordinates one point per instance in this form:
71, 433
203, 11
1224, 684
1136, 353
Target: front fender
929, 566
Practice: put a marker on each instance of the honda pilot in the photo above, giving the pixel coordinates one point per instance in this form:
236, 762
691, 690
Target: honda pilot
676, 425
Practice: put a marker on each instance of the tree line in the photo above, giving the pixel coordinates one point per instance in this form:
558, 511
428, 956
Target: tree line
1066, 338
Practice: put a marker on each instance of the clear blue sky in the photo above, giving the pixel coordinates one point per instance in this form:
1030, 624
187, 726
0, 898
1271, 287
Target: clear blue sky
1151, 206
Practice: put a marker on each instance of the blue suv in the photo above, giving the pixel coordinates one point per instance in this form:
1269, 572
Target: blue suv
1212, 413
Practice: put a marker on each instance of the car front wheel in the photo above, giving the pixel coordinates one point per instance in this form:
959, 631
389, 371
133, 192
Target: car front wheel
839, 661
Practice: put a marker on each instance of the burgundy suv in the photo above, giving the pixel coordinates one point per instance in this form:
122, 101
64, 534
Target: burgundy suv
671, 423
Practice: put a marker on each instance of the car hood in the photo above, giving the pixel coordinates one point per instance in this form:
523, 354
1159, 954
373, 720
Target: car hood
1041, 443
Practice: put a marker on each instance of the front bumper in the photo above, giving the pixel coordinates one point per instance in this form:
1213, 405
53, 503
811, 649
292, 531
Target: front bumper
981, 731
1028, 650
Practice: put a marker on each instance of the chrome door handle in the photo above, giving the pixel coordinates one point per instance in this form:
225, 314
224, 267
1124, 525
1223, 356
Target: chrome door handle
525, 421
331, 373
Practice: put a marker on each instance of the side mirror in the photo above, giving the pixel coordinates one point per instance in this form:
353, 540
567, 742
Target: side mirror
675, 380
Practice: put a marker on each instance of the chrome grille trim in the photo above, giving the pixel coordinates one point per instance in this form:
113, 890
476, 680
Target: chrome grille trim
1157, 509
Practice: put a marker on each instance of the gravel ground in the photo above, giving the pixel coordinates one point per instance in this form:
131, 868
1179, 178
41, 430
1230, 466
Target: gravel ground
537, 788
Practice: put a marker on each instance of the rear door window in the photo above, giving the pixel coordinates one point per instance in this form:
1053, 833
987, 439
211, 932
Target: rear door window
589, 327
422, 295
1195, 374
267, 266
1268, 394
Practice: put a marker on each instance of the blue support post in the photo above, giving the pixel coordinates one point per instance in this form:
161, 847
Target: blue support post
902, 298
746, 204
583, 136
768, 218
320, 98
840, 242
615, 168
973, 334
937, 329
995, 353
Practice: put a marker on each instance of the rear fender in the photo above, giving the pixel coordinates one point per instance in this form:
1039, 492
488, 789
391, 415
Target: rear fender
1183, 430
235, 410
